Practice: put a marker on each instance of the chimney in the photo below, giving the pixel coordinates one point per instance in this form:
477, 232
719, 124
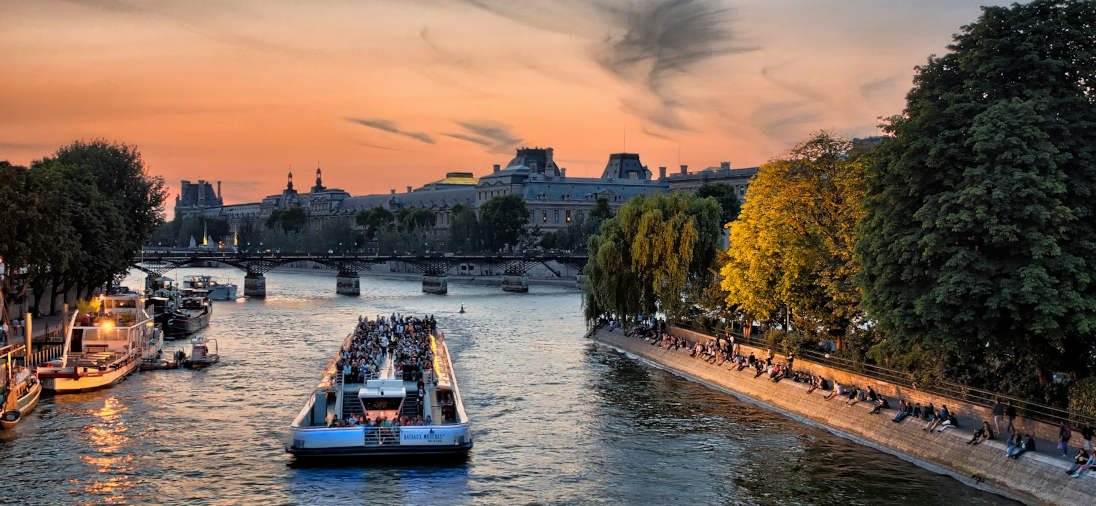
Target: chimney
218, 190
408, 189
392, 191
662, 172
684, 169
563, 172
495, 168
725, 165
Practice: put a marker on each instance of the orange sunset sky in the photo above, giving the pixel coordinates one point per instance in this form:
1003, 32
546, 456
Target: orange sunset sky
384, 94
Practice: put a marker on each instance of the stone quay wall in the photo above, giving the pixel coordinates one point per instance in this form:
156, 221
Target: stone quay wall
1034, 478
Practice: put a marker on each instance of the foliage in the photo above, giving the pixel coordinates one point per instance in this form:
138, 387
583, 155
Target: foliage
290, 221
180, 231
373, 220
980, 238
644, 257
464, 230
726, 196
1082, 400
75, 219
502, 222
791, 249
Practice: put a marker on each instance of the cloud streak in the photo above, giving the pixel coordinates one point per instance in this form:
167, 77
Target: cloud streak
497, 137
391, 127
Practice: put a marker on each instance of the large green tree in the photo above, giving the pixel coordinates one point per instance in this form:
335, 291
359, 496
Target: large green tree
726, 196
791, 249
645, 259
979, 246
502, 221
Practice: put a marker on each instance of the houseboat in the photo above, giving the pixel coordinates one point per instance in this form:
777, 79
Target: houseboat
379, 400
102, 348
191, 315
218, 290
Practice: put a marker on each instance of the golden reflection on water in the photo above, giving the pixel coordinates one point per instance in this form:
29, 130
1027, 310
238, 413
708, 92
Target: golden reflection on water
106, 437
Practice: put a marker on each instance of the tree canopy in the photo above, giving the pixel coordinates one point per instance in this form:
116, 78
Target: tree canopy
502, 221
979, 245
726, 196
791, 249
643, 259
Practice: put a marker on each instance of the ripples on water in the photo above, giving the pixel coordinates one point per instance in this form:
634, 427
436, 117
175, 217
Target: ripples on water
556, 418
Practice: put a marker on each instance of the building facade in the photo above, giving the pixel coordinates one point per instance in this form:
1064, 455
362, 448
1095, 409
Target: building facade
554, 199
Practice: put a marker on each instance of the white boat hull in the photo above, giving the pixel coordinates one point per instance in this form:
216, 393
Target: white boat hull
89, 381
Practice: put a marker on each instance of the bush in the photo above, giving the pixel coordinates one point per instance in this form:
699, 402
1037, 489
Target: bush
1082, 401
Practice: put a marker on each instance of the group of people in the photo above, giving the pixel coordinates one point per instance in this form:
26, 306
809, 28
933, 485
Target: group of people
363, 420
405, 338
720, 351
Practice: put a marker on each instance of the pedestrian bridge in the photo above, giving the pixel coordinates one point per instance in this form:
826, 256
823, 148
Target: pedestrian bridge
434, 268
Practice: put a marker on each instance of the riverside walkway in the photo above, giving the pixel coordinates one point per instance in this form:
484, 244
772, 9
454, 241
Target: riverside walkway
1038, 476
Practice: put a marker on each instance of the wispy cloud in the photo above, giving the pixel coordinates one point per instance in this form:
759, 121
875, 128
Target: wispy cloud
647, 44
877, 88
657, 135
785, 120
497, 137
391, 127
772, 73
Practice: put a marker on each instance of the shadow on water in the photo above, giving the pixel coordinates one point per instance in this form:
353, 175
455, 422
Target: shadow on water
390, 462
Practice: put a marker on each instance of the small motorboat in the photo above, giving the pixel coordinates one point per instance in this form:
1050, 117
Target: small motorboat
200, 357
22, 396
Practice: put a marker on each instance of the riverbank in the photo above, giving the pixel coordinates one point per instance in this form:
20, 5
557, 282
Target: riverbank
1034, 478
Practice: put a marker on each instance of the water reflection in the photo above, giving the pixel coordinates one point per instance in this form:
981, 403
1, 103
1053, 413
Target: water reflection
106, 436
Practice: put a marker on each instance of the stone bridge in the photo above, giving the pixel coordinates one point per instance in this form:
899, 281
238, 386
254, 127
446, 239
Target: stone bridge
434, 267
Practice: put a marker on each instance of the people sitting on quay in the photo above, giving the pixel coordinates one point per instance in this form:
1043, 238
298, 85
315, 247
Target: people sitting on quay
938, 419
1089, 464
1020, 446
985, 433
881, 403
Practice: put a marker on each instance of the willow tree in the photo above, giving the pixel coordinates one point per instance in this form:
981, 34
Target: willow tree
980, 243
791, 249
644, 258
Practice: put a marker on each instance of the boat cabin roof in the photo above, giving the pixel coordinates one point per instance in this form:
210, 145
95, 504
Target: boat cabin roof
382, 388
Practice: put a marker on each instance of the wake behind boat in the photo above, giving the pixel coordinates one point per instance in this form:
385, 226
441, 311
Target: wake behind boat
390, 391
103, 348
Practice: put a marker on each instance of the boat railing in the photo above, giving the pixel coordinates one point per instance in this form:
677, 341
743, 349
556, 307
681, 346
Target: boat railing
381, 436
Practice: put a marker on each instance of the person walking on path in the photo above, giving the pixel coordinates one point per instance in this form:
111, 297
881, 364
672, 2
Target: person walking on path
1086, 438
998, 414
1010, 412
1063, 439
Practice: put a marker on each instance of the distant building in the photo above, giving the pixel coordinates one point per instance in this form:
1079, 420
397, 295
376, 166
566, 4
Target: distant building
738, 179
554, 199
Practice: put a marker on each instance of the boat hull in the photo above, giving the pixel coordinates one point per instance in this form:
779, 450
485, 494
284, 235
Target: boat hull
177, 326
223, 292
75, 383
26, 404
357, 442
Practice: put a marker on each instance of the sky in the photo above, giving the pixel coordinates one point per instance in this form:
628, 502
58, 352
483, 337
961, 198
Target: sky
385, 94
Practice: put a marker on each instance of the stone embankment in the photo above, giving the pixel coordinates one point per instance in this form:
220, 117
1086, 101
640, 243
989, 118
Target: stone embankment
1034, 477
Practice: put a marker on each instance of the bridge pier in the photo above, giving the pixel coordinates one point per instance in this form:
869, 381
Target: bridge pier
255, 285
348, 283
436, 284
515, 283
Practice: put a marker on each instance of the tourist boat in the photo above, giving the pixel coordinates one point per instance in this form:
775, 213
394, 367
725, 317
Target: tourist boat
191, 316
218, 290
101, 349
200, 357
23, 392
387, 395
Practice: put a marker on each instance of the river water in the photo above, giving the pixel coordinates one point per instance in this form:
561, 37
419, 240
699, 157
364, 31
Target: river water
557, 419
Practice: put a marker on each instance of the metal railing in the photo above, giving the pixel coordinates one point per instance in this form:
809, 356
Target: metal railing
378, 436
963, 393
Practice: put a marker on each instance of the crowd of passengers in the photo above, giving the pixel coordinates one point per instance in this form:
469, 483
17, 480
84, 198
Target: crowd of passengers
405, 338
380, 421
720, 352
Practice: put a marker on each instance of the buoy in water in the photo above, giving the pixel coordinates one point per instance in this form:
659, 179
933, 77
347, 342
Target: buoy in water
462, 308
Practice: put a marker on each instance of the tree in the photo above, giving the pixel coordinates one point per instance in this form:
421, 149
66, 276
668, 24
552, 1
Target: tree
726, 196
791, 248
979, 245
373, 220
464, 229
502, 221
292, 220
644, 258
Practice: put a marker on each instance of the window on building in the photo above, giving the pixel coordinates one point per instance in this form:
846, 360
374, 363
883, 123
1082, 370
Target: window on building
555, 216
544, 217
568, 217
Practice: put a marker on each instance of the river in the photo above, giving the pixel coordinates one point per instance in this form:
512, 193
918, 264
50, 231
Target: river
557, 419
